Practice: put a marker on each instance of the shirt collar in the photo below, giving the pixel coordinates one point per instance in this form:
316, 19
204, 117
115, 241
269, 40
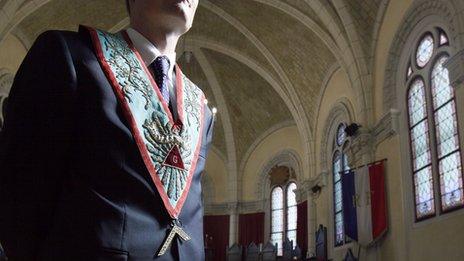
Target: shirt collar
148, 50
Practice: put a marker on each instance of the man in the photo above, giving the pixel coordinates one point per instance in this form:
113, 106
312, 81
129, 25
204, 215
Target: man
104, 143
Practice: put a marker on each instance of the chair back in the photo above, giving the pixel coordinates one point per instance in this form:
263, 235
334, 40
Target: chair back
234, 253
269, 252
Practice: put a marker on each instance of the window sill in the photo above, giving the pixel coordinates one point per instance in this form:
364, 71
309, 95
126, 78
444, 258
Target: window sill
438, 218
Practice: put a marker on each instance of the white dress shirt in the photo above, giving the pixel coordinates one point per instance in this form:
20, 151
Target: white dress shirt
149, 52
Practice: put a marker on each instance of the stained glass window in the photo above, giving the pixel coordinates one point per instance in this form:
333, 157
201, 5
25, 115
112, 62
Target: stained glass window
283, 214
277, 218
446, 131
341, 135
291, 212
424, 50
409, 73
435, 151
339, 164
338, 204
420, 148
443, 38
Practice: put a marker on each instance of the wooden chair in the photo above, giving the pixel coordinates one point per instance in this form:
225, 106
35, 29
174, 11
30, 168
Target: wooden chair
234, 253
287, 249
269, 252
296, 255
349, 256
321, 243
2, 254
252, 252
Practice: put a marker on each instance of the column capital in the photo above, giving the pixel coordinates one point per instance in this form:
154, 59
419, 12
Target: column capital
232, 207
455, 66
361, 146
305, 190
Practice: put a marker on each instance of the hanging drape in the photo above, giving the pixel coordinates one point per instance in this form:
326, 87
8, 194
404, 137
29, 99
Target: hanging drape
216, 235
251, 229
302, 227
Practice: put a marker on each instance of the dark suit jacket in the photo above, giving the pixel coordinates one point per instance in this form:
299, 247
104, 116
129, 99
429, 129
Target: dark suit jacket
73, 185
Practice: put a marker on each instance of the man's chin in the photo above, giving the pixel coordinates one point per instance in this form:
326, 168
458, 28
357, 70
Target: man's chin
178, 17
176, 23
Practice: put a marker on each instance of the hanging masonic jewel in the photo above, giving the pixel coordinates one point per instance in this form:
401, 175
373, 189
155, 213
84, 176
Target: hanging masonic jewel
175, 231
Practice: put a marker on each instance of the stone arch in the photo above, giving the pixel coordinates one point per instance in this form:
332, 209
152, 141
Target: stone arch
378, 23
200, 42
6, 81
227, 50
194, 43
328, 76
255, 144
442, 12
357, 72
290, 94
227, 124
286, 157
342, 111
17, 13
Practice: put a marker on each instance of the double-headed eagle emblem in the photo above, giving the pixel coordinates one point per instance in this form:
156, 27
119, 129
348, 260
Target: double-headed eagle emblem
169, 150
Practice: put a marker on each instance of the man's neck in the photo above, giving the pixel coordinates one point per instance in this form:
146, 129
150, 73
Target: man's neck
164, 41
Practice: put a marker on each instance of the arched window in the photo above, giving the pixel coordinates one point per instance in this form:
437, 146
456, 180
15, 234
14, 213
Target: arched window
283, 214
291, 212
433, 131
277, 217
339, 163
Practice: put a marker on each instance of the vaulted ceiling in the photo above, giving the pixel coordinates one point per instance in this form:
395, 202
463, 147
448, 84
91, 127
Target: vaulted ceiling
260, 62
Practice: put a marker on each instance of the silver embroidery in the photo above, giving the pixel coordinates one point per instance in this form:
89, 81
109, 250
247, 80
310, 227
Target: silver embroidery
160, 134
127, 69
192, 106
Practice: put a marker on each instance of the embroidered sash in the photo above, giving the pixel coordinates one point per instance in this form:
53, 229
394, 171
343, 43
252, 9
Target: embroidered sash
169, 149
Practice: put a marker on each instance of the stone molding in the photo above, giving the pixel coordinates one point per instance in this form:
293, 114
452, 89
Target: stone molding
387, 127
230, 208
367, 140
455, 66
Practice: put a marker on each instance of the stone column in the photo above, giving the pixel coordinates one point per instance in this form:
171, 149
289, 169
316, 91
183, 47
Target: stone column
305, 192
233, 223
302, 194
312, 223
